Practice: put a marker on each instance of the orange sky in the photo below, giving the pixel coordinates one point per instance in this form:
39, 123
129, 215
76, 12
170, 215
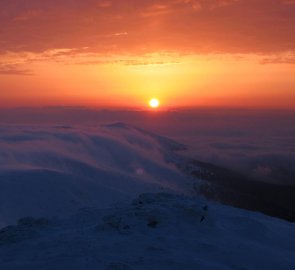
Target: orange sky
121, 53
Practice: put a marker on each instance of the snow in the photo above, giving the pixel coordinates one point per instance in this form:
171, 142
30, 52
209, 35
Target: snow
111, 197
54, 171
155, 231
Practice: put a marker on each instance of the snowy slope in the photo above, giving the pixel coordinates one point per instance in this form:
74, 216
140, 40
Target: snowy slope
155, 231
53, 171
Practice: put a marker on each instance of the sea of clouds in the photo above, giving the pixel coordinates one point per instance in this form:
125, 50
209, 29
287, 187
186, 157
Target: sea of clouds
259, 143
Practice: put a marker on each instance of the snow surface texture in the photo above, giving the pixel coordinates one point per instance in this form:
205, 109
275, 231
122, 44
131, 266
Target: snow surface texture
156, 231
54, 171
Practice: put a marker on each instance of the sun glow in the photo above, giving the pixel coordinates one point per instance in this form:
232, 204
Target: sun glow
154, 103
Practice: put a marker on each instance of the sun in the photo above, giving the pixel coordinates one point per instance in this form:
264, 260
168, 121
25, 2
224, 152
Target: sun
154, 103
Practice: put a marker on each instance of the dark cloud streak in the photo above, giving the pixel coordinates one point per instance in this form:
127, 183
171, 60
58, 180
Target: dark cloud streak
7, 69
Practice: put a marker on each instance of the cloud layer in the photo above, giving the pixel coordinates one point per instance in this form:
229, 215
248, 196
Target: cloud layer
115, 26
260, 144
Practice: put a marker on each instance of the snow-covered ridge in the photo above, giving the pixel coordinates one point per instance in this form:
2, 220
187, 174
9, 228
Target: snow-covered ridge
47, 171
70, 189
155, 231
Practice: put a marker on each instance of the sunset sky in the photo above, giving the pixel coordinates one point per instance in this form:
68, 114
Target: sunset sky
122, 53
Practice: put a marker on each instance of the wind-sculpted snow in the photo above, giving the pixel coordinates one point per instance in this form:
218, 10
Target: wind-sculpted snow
50, 171
155, 231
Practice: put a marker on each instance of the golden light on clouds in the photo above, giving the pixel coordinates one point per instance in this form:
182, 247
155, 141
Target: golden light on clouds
121, 53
